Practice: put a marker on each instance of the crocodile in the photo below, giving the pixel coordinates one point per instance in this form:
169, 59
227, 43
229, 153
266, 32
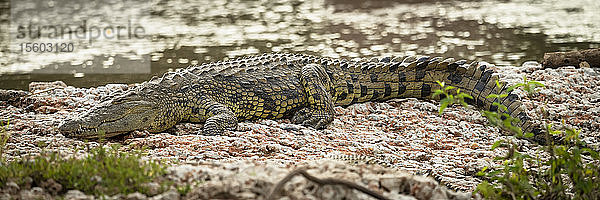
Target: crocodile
303, 88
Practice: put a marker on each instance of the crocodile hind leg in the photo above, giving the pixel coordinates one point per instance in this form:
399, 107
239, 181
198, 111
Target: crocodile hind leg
319, 111
220, 118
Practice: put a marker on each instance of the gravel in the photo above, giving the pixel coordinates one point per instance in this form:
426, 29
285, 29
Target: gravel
401, 135
251, 180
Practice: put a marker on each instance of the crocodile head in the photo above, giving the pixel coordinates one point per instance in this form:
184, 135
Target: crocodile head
134, 110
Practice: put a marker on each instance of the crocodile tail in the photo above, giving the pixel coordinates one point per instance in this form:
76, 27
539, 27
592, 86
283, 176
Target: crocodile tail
416, 77
477, 79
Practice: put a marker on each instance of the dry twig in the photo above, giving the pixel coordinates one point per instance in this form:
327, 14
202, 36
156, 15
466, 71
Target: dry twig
326, 181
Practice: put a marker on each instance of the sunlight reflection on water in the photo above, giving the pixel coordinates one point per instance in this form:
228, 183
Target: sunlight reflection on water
178, 33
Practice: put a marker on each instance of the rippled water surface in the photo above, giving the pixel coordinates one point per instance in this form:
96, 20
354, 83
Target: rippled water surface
179, 33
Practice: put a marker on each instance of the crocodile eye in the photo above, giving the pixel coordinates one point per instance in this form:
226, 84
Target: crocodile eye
145, 119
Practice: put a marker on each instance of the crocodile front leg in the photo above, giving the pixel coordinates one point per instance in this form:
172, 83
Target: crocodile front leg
218, 117
316, 84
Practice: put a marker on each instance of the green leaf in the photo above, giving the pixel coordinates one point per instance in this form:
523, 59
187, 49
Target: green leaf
528, 135
440, 83
511, 88
442, 107
467, 96
492, 96
437, 93
537, 83
592, 153
494, 173
500, 106
498, 85
445, 101
443, 104
484, 168
497, 143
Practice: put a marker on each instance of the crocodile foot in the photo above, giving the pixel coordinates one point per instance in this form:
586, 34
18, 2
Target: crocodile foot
312, 118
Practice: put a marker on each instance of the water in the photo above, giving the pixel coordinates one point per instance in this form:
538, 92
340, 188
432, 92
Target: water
180, 33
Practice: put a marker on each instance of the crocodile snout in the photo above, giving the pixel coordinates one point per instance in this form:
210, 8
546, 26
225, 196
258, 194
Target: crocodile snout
69, 127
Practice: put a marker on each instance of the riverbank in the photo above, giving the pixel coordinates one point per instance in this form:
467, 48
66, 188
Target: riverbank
402, 135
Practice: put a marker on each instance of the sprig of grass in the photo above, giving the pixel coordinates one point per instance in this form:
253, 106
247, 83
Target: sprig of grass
102, 172
527, 85
565, 175
450, 98
184, 189
500, 118
4, 136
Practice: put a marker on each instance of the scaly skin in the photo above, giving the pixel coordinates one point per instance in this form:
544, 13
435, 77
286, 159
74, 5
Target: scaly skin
272, 86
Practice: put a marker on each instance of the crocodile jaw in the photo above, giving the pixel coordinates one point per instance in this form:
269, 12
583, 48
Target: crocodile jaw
79, 128
112, 118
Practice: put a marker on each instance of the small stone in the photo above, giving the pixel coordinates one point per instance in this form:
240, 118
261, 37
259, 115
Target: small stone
391, 184
377, 117
531, 66
270, 148
5, 196
268, 122
27, 194
136, 196
590, 72
169, 195
12, 187
290, 127
439, 193
77, 195
34, 193
153, 188
37, 190
114, 197
47, 109
52, 186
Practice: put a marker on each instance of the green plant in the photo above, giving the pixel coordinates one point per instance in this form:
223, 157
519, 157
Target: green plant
448, 98
564, 175
102, 172
4, 136
500, 118
184, 189
567, 160
527, 85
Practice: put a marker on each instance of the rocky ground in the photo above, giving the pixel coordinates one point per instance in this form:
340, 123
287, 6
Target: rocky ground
251, 180
406, 136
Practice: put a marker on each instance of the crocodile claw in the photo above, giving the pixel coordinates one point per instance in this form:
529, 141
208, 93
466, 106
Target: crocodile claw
308, 118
